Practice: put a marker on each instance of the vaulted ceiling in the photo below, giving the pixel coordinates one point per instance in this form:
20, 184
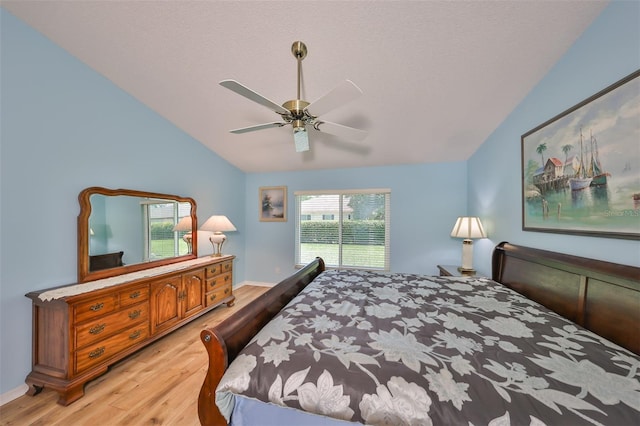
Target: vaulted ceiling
438, 76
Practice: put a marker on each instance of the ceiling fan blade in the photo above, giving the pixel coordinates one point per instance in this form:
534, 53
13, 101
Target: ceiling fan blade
257, 127
341, 131
253, 96
340, 95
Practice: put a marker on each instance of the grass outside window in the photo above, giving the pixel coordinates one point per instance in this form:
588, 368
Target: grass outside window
352, 254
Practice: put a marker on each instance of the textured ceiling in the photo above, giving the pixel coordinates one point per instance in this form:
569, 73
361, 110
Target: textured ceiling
438, 76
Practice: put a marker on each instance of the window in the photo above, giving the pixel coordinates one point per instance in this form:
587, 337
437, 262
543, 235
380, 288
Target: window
348, 229
160, 240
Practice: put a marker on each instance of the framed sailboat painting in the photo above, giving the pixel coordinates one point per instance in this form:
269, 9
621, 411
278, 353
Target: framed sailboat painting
581, 169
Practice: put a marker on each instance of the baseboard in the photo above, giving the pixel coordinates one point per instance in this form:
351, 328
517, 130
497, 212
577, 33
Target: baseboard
256, 283
13, 394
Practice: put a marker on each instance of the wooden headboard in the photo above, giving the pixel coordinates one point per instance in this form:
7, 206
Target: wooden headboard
601, 296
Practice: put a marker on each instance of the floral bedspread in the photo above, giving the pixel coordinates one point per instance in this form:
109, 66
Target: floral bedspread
403, 349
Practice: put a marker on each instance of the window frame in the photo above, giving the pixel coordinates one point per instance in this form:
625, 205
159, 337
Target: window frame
341, 217
147, 223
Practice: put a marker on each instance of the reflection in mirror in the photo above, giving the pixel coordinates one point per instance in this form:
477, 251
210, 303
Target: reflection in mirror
184, 227
141, 228
125, 231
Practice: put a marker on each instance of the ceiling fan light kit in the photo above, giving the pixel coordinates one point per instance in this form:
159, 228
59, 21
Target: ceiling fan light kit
300, 113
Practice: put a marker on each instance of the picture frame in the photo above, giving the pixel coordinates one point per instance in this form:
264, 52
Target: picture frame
581, 169
273, 203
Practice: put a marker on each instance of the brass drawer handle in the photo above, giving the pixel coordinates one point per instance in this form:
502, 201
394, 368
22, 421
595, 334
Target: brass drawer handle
97, 353
226, 291
213, 297
134, 314
97, 329
96, 307
135, 335
226, 278
134, 295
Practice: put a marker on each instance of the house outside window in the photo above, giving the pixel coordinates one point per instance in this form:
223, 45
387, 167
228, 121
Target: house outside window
347, 228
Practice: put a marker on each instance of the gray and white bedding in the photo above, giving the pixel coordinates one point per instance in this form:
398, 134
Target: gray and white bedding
405, 349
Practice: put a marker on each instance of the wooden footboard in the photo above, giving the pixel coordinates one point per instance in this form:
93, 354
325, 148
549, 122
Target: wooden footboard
603, 297
224, 342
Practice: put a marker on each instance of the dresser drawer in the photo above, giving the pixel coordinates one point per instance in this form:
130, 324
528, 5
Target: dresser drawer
105, 349
218, 268
219, 281
214, 297
93, 331
134, 295
95, 308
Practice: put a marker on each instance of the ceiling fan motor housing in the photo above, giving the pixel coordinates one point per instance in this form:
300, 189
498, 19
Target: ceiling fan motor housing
296, 107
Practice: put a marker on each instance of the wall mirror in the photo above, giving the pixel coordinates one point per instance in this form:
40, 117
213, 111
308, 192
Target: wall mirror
121, 231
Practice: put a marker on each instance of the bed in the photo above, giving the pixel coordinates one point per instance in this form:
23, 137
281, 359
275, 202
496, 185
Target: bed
548, 339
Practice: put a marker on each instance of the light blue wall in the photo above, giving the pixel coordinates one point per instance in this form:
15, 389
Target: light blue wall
608, 51
65, 128
425, 201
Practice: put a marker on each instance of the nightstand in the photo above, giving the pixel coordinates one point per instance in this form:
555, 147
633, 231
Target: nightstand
452, 271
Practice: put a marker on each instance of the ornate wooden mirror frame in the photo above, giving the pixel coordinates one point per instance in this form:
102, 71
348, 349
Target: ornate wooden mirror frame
85, 233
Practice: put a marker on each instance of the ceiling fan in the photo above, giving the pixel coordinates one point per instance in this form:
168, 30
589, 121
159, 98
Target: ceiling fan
300, 113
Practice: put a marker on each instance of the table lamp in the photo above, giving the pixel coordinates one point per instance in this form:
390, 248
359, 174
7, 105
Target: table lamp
468, 228
217, 224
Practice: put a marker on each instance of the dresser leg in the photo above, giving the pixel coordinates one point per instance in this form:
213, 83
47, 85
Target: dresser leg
33, 389
231, 302
71, 394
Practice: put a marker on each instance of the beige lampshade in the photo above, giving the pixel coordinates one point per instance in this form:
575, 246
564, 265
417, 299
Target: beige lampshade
468, 227
183, 224
218, 223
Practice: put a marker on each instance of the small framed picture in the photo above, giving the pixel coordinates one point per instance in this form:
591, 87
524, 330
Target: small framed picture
273, 203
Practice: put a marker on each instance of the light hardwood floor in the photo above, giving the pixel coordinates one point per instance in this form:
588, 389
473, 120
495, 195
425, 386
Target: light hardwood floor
157, 385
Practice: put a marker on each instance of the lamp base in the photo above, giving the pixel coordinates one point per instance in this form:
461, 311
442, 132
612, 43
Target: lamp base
188, 238
217, 239
465, 271
467, 255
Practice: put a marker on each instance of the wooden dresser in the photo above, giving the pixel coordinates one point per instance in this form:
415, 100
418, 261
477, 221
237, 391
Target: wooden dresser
81, 329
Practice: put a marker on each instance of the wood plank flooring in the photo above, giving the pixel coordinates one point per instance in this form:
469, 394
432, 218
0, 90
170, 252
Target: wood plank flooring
157, 385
